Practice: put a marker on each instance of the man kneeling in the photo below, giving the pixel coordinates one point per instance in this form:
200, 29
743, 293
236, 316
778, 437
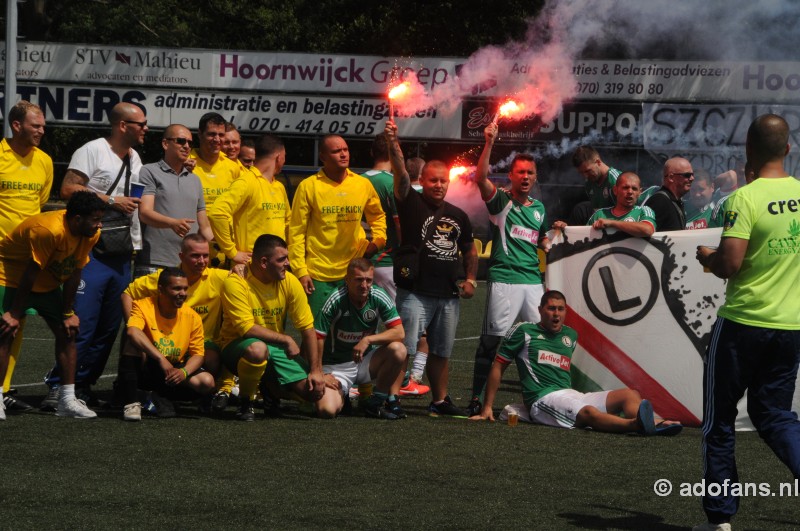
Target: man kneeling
543, 353
164, 352
353, 353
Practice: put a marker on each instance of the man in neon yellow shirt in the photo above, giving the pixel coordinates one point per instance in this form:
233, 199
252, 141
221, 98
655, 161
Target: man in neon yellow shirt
255, 204
325, 230
755, 342
203, 294
254, 323
164, 352
26, 176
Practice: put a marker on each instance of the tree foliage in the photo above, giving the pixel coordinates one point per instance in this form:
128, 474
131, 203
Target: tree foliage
332, 26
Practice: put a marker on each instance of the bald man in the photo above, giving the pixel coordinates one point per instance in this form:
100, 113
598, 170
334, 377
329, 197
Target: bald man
172, 204
666, 202
105, 166
325, 226
625, 215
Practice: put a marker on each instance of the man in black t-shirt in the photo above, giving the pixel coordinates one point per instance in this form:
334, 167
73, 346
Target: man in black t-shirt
666, 202
426, 266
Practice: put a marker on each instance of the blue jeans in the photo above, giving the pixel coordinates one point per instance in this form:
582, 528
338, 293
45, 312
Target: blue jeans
99, 308
437, 315
763, 362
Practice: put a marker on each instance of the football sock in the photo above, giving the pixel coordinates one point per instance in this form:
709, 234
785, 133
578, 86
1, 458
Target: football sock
249, 376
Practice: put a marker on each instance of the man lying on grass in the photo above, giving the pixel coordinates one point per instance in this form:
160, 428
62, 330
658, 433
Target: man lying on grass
543, 353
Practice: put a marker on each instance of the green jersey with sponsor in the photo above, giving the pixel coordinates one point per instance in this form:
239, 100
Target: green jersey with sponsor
516, 229
638, 213
764, 292
708, 217
342, 325
543, 359
602, 195
383, 182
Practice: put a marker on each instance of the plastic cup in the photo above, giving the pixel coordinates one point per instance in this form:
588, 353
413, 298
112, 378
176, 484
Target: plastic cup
137, 190
513, 419
714, 248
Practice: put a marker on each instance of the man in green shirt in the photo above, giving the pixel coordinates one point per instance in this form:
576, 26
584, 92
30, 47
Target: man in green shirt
353, 352
626, 215
600, 177
514, 279
543, 354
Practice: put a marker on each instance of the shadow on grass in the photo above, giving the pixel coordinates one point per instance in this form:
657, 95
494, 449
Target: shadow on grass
634, 520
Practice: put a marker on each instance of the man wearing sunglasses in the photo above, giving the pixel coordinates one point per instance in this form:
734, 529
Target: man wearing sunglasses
105, 166
666, 203
172, 204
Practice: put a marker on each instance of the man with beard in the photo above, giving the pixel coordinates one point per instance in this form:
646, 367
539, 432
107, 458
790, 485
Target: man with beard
105, 166
40, 268
26, 176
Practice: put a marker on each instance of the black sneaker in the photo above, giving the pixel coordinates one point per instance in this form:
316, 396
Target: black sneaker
246, 412
375, 410
271, 406
220, 401
165, 408
446, 408
204, 405
86, 394
474, 408
50, 403
393, 407
15, 404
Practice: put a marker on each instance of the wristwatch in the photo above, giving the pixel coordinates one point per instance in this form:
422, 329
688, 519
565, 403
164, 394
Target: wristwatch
110, 200
472, 281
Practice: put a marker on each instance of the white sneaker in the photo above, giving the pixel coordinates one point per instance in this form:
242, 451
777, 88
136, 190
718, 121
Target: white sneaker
133, 412
74, 408
2, 410
708, 526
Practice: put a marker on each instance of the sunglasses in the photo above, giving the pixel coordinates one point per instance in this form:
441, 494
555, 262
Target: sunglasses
140, 124
181, 141
685, 174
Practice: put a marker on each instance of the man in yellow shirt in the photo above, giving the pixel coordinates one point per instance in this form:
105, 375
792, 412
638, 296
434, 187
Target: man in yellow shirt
253, 328
44, 253
26, 176
215, 169
232, 143
255, 204
202, 296
325, 230
164, 352
247, 153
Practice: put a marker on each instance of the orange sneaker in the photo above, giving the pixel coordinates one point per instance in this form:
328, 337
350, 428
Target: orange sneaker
414, 388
